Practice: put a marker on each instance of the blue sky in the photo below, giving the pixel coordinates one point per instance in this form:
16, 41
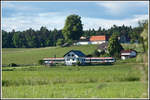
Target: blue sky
24, 15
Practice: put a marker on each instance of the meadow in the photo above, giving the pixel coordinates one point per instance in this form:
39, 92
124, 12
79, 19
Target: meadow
31, 56
24, 56
109, 81
120, 80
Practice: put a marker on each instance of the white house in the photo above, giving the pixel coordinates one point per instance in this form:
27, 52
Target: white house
128, 54
73, 56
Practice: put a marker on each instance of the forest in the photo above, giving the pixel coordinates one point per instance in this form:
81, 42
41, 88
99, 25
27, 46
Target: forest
44, 37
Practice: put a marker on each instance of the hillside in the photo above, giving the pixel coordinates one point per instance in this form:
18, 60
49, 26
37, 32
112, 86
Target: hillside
32, 55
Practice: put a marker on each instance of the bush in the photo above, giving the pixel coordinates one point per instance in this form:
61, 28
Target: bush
12, 65
89, 55
59, 42
41, 62
96, 54
104, 55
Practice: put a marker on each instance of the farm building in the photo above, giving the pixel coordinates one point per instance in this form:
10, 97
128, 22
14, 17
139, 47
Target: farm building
92, 40
102, 47
75, 56
83, 41
98, 39
128, 54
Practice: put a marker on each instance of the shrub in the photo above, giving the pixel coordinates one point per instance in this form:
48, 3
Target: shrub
96, 54
12, 65
59, 42
41, 62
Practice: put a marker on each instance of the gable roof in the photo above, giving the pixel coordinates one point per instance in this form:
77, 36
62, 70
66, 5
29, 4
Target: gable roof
102, 46
77, 52
127, 51
98, 38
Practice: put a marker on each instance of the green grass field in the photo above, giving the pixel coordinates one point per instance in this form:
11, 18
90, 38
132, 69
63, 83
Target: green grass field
111, 81
121, 80
32, 55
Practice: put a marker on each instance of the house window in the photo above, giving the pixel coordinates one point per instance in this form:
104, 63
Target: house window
72, 55
68, 54
67, 59
73, 59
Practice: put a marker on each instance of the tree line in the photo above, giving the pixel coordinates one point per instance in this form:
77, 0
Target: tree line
71, 32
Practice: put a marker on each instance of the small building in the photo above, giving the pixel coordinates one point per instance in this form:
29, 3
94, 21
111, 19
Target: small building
102, 47
83, 41
98, 39
73, 56
92, 40
125, 54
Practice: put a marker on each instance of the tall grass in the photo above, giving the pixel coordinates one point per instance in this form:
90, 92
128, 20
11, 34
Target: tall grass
75, 90
64, 74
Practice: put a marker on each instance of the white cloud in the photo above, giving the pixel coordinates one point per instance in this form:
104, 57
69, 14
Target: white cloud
120, 7
107, 23
57, 19
7, 4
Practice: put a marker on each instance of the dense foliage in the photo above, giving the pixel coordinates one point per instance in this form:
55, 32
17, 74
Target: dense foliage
71, 32
114, 47
73, 28
30, 38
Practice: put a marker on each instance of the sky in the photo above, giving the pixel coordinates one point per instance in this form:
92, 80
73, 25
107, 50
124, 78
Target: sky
24, 15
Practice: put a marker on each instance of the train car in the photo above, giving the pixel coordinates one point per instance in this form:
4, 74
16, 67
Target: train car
99, 60
53, 60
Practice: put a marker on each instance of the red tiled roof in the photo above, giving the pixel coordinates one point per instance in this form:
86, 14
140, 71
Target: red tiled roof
126, 51
97, 38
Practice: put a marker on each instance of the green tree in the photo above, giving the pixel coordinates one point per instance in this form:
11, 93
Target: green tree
73, 28
143, 58
114, 47
59, 42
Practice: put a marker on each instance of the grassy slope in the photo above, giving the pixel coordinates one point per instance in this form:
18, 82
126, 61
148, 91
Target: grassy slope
31, 56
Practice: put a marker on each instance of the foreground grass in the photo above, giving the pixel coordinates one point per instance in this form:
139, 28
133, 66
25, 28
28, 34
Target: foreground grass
62, 74
121, 80
109, 81
76, 90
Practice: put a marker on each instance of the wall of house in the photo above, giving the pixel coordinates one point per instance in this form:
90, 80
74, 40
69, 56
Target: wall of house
97, 42
72, 58
83, 43
127, 54
89, 42
133, 53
